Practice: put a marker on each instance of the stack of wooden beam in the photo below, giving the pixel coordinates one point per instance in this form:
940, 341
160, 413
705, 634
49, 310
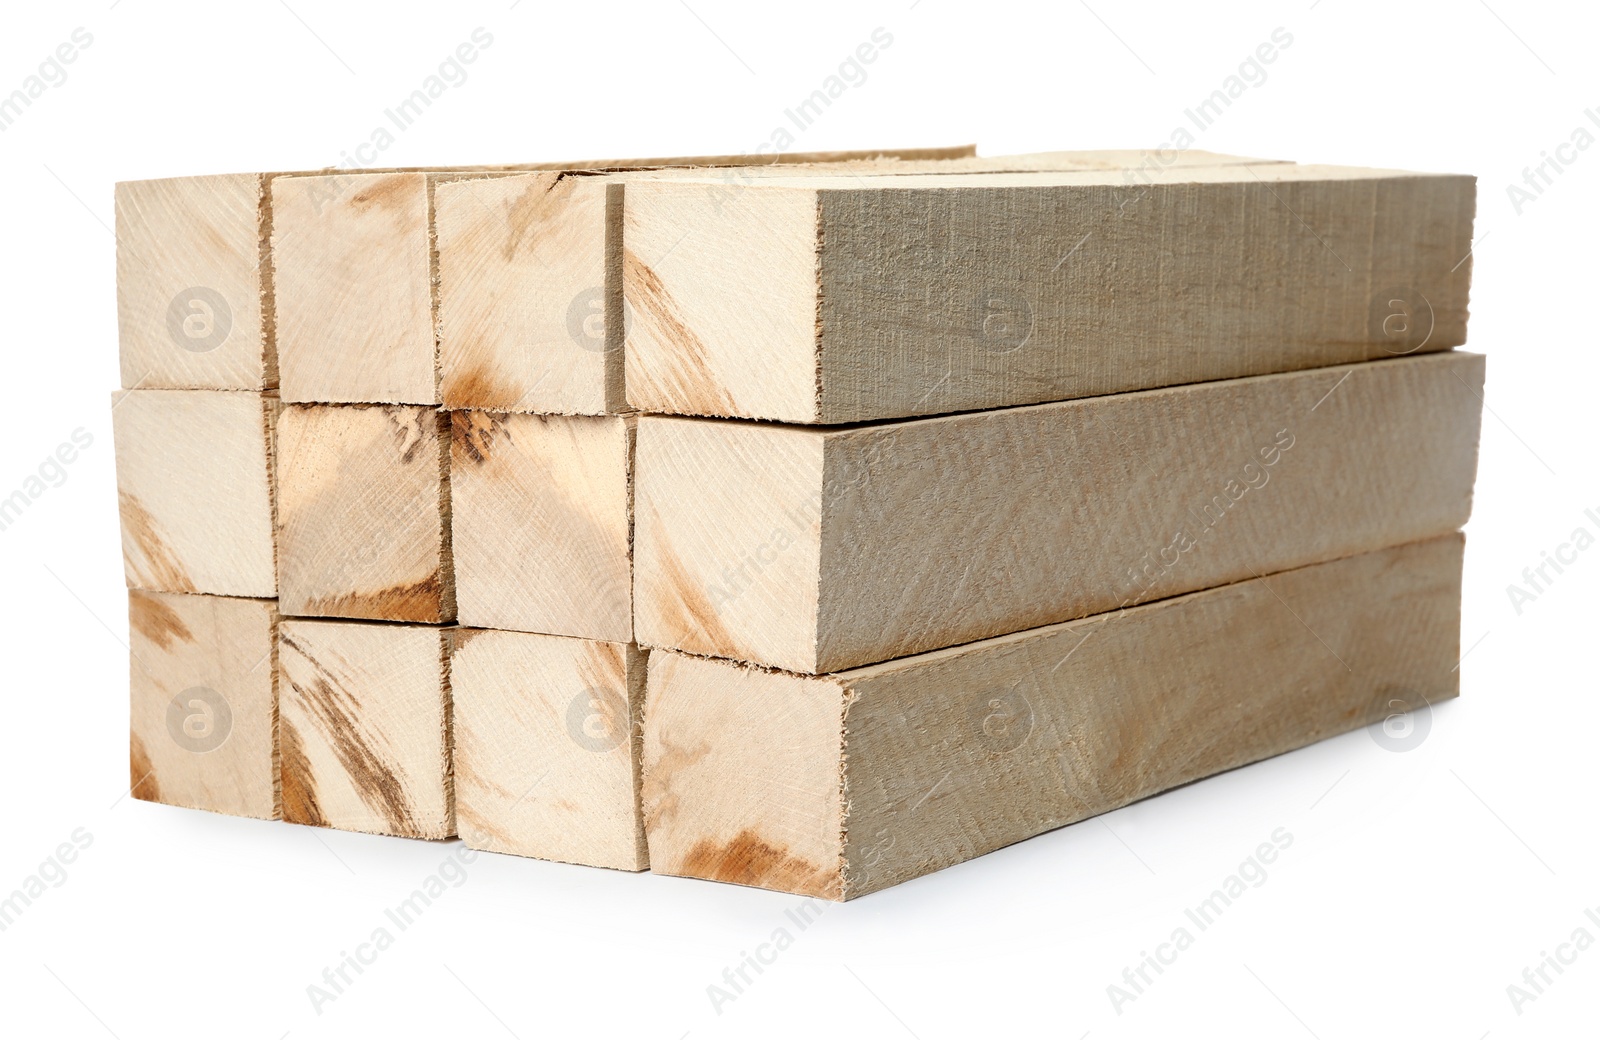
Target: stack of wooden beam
811, 525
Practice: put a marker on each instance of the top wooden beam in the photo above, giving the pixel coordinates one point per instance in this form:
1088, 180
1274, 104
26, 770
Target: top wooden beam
189, 283
354, 273
530, 267
825, 300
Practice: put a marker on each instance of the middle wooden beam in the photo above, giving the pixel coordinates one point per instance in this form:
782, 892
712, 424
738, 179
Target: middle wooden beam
816, 549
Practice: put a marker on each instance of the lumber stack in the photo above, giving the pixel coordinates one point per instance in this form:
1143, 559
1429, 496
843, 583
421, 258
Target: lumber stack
809, 525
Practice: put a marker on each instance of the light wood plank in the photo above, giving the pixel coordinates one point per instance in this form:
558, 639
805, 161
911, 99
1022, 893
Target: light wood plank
355, 275
840, 785
363, 499
194, 489
364, 727
541, 523
823, 300
816, 549
189, 283
352, 288
530, 268
204, 707
546, 747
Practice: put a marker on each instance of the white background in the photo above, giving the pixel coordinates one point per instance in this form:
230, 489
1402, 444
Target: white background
1419, 884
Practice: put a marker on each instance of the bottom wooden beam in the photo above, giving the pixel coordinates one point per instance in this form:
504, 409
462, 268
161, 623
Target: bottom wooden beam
547, 746
839, 785
203, 702
364, 727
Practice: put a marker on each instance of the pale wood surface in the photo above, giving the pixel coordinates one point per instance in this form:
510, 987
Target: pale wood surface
363, 502
546, 747
189, 283
529, 263
826, 300
355, 274
515, 253
840, 785
541, 523
819, 549
351, 283
364, 727
194, 488
204, 709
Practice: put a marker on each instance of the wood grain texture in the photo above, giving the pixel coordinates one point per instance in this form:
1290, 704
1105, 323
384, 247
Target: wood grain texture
204, 706
189, 283
363, 512
530, 268
355, 270
818, 300
840, 785
547, 747
522, 294
819, 549
542, 523
194, 489
352, 288
364, 727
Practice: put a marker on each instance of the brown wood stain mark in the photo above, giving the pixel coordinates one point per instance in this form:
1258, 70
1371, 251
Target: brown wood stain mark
460, 637
142, 782
418, 601
409, 430
295, 776
156, 621
687, 610
658, 800
604, 666
160, 567
390, 192
336, 711
476, 387
685, 375
533, 208
478, 832
472, 436
751, 860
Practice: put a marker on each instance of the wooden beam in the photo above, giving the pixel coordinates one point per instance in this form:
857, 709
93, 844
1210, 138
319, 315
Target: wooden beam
364, 727
352, 288
541, 523
824, 300
355, 276
840, 785
194, 488
546, 747
530, 267
190, 283
817, 549
363, 499
204, 706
